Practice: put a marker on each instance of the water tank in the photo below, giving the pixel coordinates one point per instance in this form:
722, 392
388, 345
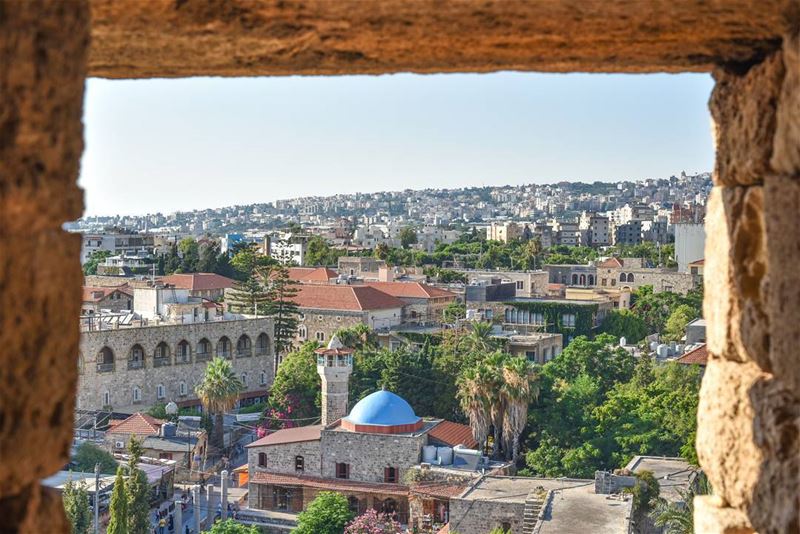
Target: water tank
445, 455
653, 345
429, 454
662, 351
169, 430
623, 341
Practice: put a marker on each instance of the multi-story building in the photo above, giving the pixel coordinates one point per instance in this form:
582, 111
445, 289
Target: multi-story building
115, 299
630, 273
202, 285
422, 303
130, 368
690, 241
117, 243
360, 267
595, 228
628, 233
503, 231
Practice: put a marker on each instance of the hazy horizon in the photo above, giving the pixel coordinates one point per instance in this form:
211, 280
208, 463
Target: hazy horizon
199, 143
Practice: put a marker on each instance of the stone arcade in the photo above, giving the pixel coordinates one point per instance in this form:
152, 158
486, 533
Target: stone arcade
747, 438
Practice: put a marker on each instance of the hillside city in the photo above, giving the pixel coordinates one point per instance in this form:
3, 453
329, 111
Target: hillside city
505, 359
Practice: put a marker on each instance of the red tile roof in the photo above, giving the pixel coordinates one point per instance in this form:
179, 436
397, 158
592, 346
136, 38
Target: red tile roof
96, 294
330, 484
410, 290
453, 434
698, 262
312, 274
611, 263
350, 298
698, 356
139, 424
289, 435
198, 281
438, 489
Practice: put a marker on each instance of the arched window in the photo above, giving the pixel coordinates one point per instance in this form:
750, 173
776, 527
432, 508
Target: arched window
623, 277
161, 391
355, 507
262, 459
299, 463
583, 279
184, 352
183, 389
320, 335
203, 350
161, 356
302, 332
630, 277
136, 357
137, 394
389, 506
591, 279
224, 347
262, 344
574, 279
244, 347
244, 379
106, 398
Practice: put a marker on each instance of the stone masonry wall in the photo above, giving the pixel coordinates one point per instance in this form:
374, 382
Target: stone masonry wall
369, 454
479, 517
281, 458
327, 322
120, 382
658, 278
748, 436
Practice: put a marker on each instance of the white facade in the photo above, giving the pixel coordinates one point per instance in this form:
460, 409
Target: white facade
690, 242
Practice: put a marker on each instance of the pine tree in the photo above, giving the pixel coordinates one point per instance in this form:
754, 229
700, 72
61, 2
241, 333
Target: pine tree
76, 507
281, 307
138, 491
118, 509
249, 296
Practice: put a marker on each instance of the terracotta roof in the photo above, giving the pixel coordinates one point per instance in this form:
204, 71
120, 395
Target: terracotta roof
312, 274
350, 298
410, 290
698, 262
438, 489
139, 424
289, 435
198, 281
331, 484
96, 294
698, 356
611, 263
453, 434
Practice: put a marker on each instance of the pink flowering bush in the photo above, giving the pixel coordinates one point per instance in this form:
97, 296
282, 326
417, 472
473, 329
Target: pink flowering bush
372, 522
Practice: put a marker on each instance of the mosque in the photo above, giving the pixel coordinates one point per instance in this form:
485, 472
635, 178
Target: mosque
380, 454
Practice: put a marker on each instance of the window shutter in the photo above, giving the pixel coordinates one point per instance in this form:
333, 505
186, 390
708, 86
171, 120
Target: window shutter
347, 470
386, 474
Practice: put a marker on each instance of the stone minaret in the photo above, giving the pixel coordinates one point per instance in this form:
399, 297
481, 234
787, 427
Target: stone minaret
334, 365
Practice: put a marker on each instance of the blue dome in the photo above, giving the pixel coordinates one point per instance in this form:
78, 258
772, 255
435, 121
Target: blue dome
382, 408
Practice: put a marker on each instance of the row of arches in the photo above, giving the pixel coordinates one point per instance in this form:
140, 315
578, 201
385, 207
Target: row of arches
203, 351
626, 277
582, 279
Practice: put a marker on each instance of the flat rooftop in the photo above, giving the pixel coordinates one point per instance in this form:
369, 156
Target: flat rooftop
579, 510
672, 473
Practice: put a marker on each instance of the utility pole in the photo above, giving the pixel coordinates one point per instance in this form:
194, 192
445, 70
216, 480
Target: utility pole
97, 498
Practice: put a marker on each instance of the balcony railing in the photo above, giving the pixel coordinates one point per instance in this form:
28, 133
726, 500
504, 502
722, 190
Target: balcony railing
105, 367
202, 356
183, 358
224, 354
244, 353
161, 362
135, 364
262, 351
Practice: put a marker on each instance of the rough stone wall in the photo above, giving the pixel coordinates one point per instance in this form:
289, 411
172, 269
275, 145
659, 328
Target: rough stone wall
121, 381
327, 322
281, 458
335, 388
469, 516
749, 417
660, 279
369, 454
43, 48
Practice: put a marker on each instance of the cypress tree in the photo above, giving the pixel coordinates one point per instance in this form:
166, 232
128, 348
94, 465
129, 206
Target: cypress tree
138, 492
118, 509
76, 507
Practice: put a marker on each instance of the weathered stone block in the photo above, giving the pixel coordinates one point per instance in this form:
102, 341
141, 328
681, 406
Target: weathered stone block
744, 111
711, 516
736, 275
786, 149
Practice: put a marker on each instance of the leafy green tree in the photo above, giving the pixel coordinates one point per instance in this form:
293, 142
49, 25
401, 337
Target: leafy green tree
678, 517
320, 253
218, 391
95, 258
231, 526
625, 323
88, 455
645, 493
408, 237
118, 508
359, 337
454, 311
77, 507
328, 513
675, 327
280, 306
297, 385
137, 491
189, 252
381, 251
208, 253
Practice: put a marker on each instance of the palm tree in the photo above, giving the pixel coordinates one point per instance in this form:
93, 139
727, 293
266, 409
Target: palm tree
219, 392
678, 517
480, 337
491, 375
475, 403
520, 387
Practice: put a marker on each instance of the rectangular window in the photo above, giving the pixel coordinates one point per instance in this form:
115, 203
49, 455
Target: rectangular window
520, 284
299, 463
531, 355
342, 470
390, 475
537, 318
568, 320
320, 336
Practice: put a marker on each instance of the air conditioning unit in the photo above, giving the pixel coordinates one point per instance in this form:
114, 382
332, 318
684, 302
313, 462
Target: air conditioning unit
119, 444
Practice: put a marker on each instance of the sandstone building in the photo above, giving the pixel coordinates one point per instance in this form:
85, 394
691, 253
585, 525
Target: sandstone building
128, 369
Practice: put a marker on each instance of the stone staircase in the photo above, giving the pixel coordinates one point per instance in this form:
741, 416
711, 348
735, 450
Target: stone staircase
533, 506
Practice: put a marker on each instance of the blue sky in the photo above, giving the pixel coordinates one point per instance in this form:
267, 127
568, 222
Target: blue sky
168, 145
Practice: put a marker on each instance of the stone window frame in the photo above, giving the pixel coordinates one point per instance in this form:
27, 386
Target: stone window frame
243, 379
161, 392
263, 349
183, 389
319, 335
137, 395
244, 350
302, 332
299, 463
390, 474
261, 460
133, 361
343, 470
222, 342
263, 378
182, 356
103, 365
206, 354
